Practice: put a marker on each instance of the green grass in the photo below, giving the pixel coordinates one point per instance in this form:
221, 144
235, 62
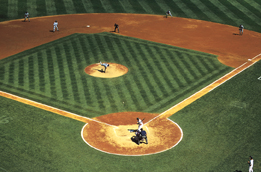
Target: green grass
220, 131
159, 75
246, 12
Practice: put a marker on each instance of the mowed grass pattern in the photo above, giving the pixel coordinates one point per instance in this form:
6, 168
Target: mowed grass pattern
159, 75
229, 12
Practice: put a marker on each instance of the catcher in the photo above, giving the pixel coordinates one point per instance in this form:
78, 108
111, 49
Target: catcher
26, 16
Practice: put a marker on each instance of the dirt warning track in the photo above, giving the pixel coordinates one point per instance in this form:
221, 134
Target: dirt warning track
222, 40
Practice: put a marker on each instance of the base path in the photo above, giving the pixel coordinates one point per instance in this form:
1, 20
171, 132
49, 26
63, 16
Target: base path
218, 39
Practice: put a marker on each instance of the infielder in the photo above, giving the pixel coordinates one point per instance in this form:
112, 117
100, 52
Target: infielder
251, 163
26, 16
140, 124
55, 26
241, 29
116, 26
105, 66
168, 13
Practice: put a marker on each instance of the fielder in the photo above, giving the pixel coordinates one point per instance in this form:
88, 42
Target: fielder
55, 26
116, 27
26, 16
168, 13
241, 29
251, 163
140, 123
105, 66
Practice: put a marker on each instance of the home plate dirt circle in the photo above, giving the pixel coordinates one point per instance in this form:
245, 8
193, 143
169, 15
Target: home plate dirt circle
114, 70
111, 134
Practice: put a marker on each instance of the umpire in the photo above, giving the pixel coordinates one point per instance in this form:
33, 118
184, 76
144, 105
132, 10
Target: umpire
144, 135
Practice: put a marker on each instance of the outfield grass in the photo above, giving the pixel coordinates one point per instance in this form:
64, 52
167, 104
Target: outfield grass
220, 131
159, 75
246, 12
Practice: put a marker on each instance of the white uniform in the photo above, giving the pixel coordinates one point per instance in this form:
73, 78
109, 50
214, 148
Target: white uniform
55, 26
140, 123
241, 29
251, 164
168, 13
26, 15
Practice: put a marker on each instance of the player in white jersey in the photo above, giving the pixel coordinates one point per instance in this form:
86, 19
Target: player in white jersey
241, 29
140, 124
105, 66
251, 163
55, 26
26, 16
168, 13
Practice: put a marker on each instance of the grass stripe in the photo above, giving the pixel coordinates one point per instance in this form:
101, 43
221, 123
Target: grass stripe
107, 6
61, 74
79, 6
126, 5
65, 50
189, 66
208, 12
88, 6
11, 73
59, 6
247, 12
50, 68
32, 7
165, 7
157, 78
26, 74
41, 8
98, 6
195, 66
56, 73
151, 91
161, 72
235, 19
12, 11
16, 72
89, 90
186, 10
146, 7
168, 74
171, 68
128, 85
183, 69
137, 7
78, 66
20, 73
4, 10
2, 73
50, 7
22, 8
31, 71
36, 74
42, 71
69, 6
138, 79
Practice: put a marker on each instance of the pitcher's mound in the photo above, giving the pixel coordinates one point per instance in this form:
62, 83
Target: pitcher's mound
114, 70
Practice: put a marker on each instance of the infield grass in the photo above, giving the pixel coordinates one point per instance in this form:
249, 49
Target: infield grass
159, 75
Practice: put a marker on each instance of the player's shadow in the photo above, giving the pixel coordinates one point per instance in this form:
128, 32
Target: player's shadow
100, 70
236, 34
51, 31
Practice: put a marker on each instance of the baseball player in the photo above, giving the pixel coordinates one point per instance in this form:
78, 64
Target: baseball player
55, 26
251, 163
144, 135
26, 16
140, 124
168, 13
105, 66
241, 29
116, 26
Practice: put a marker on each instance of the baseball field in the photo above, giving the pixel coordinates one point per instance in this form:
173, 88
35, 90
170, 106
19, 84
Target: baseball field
194, 81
